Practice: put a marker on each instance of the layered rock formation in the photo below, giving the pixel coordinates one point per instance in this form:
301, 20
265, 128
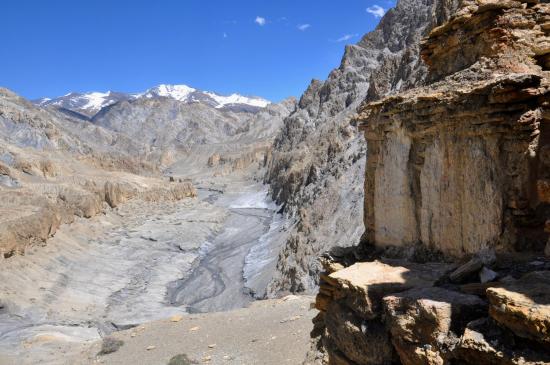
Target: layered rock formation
317, 166
461, 165
456, 170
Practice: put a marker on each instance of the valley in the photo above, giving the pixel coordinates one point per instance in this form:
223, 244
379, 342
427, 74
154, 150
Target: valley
398, 212
139, 263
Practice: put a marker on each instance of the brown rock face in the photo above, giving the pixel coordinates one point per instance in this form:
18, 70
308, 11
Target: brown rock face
459, 165
214, 160
113, 194
362, 341
363, 285
524, 306
425, 323
484, 342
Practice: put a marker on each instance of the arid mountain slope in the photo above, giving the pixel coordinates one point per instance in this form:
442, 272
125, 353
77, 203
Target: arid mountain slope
53, 168
317, 166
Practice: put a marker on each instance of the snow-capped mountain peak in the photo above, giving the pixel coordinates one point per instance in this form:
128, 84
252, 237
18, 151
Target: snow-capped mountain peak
189, 94
91, 103
178, 92
87, 103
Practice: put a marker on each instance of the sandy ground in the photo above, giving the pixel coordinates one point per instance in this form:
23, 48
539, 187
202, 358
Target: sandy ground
268, 332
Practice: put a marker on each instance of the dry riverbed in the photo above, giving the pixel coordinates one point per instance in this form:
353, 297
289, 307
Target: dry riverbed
140, 263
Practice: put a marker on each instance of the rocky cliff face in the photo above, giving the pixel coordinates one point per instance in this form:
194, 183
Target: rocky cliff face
460, 165
456, 169
317, 166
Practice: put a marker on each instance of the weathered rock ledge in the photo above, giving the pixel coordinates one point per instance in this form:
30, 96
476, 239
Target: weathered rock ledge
34, 212
457, 172
398, 312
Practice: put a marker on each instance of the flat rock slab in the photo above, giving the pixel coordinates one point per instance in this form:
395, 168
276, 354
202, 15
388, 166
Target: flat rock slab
363, 285
524, 306
421, 315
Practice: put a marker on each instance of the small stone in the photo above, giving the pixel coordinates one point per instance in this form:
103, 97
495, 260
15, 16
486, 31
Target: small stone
213, 345
110, 345
194, 329
176, 318
150, 348
487, 275
207, 359
133, 334
180, 359
475, 264
291, 319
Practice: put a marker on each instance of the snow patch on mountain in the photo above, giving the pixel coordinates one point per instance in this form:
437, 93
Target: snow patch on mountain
97, 100
178, 92
237, 99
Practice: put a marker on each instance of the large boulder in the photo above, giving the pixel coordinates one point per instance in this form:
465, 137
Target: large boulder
524, 306
485, 343
363, 285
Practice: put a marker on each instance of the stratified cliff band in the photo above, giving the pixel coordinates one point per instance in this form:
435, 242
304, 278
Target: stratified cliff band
457, 171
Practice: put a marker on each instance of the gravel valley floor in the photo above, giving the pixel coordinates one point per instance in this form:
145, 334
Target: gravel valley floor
271, 332
147, 262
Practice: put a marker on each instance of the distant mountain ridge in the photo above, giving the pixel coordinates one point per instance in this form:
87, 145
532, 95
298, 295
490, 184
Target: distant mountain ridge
89, 104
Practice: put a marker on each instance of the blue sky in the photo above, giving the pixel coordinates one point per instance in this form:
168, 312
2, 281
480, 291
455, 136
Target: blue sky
266, 48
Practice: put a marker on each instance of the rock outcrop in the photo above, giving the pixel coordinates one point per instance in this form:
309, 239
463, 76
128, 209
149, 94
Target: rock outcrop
524, 306
456, 171
317, 166
459, 165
